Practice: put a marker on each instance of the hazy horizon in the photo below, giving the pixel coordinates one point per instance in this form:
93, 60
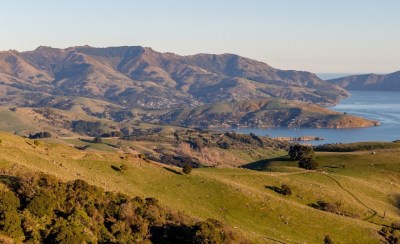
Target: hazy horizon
321, 37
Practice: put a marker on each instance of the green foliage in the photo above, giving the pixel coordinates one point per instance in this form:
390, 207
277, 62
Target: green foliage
43, 203
297, 152
66, 232
187, 169
305, 155
357, 146
8, 201
82, 213
211, 232
10, 221
308, 163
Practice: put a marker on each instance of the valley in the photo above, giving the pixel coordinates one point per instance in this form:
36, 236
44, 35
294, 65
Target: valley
366, 186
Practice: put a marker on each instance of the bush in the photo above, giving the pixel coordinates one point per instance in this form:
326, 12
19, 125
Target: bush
285, 189
97, 140
52, 211
308, 163
328, 240
44, 134
187, 169
396, 225
36, 142
123, 168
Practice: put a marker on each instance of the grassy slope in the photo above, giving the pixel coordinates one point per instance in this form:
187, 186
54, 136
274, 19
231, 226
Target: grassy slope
238, 196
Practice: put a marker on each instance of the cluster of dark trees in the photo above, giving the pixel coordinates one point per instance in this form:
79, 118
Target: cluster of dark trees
178, 160
93, 128
332, 208
391, 233
44, 134
304, 154
283, 190
228, 140
41, 209
87, 127
357, 146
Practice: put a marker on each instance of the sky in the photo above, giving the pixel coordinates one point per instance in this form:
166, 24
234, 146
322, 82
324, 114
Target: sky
321, 36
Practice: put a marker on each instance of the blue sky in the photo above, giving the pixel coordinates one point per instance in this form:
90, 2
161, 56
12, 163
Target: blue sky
353, 36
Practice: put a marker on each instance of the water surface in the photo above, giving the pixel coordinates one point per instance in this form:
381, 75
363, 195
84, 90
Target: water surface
376, 105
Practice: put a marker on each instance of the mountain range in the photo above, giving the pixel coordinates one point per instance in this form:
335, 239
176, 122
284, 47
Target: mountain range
141, 77
120, 84
373, 82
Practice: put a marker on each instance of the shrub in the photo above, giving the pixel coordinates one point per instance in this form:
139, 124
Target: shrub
44, 134
187, 169
36, 142
123, 168
285, 189
328, 240
396, 225
308, 163
97, 140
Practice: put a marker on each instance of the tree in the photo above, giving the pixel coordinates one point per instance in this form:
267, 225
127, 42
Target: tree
305, 155
187, 169
308, 163
297, 152
10, 221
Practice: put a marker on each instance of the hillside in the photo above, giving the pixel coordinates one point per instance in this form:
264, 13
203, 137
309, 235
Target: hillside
263, 113
142, 77
373, 82
365, 187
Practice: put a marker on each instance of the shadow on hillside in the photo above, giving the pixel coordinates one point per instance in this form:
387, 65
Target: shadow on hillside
263, 165
172, 170
86, 140
116, 168
10, 181
397, 201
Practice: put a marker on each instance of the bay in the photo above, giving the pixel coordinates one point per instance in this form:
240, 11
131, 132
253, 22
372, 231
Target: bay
382, 106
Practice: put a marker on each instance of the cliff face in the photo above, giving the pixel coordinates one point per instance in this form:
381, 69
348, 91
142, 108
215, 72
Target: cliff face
374, 82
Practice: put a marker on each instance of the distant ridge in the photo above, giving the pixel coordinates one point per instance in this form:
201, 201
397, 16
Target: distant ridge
388, 82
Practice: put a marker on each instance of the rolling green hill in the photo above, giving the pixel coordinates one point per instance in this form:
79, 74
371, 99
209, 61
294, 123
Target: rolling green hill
365, 186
